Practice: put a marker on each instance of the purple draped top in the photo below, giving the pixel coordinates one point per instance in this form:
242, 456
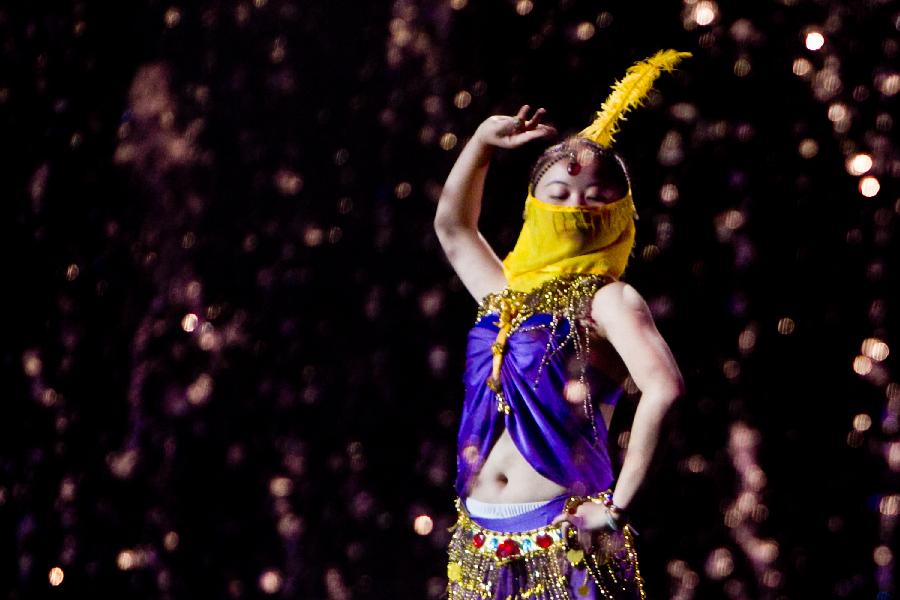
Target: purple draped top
553, 434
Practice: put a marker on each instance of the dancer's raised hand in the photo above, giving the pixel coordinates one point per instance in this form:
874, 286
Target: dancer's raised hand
505, 131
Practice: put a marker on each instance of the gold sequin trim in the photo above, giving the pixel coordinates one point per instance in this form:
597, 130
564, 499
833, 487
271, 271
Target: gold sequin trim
568, 294
544, 560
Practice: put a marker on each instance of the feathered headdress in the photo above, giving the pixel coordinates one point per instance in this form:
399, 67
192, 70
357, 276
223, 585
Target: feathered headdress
629, 93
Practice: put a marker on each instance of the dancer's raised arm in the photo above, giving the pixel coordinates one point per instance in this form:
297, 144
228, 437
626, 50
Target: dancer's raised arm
456, 219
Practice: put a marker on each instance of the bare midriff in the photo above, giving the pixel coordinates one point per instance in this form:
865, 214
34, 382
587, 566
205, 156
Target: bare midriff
506, 476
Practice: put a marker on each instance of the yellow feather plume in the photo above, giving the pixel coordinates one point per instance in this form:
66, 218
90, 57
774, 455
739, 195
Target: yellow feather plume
629, 93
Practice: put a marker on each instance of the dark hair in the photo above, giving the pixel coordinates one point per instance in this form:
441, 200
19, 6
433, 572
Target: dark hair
611, 166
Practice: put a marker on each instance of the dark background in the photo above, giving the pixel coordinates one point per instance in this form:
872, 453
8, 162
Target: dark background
233, 348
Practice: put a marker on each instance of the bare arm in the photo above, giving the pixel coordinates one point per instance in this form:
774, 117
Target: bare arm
459, 207
622, 316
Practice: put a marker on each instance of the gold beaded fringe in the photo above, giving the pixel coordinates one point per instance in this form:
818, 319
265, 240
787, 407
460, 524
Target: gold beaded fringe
568, 297
542, 563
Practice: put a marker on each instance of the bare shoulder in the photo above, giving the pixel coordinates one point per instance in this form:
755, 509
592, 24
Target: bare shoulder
617, 300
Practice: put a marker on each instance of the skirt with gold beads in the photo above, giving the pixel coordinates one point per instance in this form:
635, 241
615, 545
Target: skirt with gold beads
524, 558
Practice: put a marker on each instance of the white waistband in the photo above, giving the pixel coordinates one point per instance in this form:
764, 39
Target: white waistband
497, 510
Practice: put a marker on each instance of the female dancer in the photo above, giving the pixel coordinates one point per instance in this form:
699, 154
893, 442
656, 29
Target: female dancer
538, 514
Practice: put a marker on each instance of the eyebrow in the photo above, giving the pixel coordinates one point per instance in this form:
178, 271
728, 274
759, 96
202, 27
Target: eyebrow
596, 182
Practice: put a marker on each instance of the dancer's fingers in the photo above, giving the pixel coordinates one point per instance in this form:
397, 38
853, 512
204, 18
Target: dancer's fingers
536, 118
523, 112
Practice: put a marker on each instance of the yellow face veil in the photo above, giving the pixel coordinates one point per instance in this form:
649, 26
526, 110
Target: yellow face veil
571, 239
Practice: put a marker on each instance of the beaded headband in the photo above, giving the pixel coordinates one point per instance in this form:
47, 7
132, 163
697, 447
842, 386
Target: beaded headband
577, 158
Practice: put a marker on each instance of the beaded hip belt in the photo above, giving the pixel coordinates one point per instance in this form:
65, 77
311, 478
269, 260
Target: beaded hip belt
538, 563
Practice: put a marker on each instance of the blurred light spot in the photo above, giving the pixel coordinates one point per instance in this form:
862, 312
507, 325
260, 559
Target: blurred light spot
49, 397
814, 40
623, 439
427, 134
172, 17
826, 84
801, 67
341, 157
719, 565
650, 252
696, 463
838, 112
869, 186
854, 438
585, 31
705, 12
458, 4
771, 578
126, 560
56, 576
431, 302
742, 67
72, 272
209, 339
888, 84
122, 464
423, 525
278, 50
889, 506
335, 586
189, 322
192, 290
862, 365
744, 132
462, 99
786, 326
270, 581
684, 111
334, 235
432, 105
523, 7
198, 392
883, 556
448, 141
402, 189
313, 236
575, 391
731, 219
893, 456
731, 369
280, 487
875, 349
747, 339
669, 194
288, 182
289, 526
670, 150
892, 393
31, 363
170, 541
862, 422
859, 164
437, 359
67, 490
